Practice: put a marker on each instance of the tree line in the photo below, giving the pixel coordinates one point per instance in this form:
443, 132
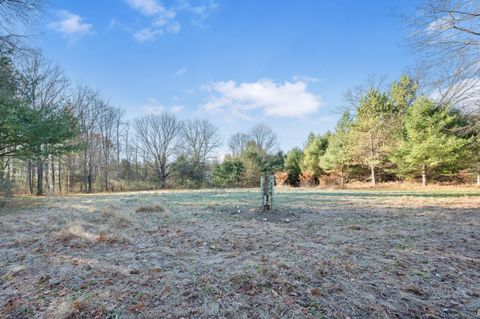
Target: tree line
55, 137
390, 135
424, 130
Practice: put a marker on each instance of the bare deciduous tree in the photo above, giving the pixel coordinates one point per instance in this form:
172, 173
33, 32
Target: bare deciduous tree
16, 18
199, 139
107, 127
84, 102
237, 143
264, 138
447, 35
157, 134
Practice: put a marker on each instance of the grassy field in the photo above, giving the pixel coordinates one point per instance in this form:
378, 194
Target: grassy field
206, 254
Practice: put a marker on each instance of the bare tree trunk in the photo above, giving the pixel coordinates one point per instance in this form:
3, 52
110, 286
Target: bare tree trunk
39, 177
89, 185
3, 171
30, 176
59, 175
478, 179
52, 165
106, 179
13, 172
136, 164
118, 123
372, 169
69, 170
7, 172
46, 171
424, 176
162, 176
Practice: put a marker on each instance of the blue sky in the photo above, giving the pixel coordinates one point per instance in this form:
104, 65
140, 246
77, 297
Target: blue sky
238, 63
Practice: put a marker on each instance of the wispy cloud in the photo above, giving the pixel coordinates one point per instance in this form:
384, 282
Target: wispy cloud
149, 7
199, 11
154, 107
112, 24
304, 78
181, 71
440, 24
163, 20
70, 25
146, 34
290, 99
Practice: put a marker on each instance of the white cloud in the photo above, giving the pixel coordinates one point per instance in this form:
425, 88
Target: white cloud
181, 71
150, 7
70, 24
440, 24
290, 99
463, 94
200, 11
146, 34
164, 20
153, 107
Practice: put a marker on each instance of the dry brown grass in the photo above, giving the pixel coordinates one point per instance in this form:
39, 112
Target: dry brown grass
357, 254
150, 209
119, 217
76, 235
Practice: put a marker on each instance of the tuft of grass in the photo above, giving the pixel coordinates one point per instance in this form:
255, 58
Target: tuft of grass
72, 232
150, 209
111, 239
414, 290
118, 217
76, 233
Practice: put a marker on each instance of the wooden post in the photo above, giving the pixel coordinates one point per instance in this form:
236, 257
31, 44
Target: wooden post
266, 189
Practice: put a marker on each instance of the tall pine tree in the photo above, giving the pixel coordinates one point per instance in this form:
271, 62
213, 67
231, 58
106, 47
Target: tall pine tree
429, 147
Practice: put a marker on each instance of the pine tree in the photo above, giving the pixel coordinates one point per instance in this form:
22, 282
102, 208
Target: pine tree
313, 151
371, 133
338, 155
428, 146
292, 166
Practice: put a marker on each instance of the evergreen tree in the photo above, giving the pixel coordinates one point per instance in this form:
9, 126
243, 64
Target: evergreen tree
371, 134
403, 93
338, 155
429, 147
15, 116
313, 151
43, 141
292, 166
229, 172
